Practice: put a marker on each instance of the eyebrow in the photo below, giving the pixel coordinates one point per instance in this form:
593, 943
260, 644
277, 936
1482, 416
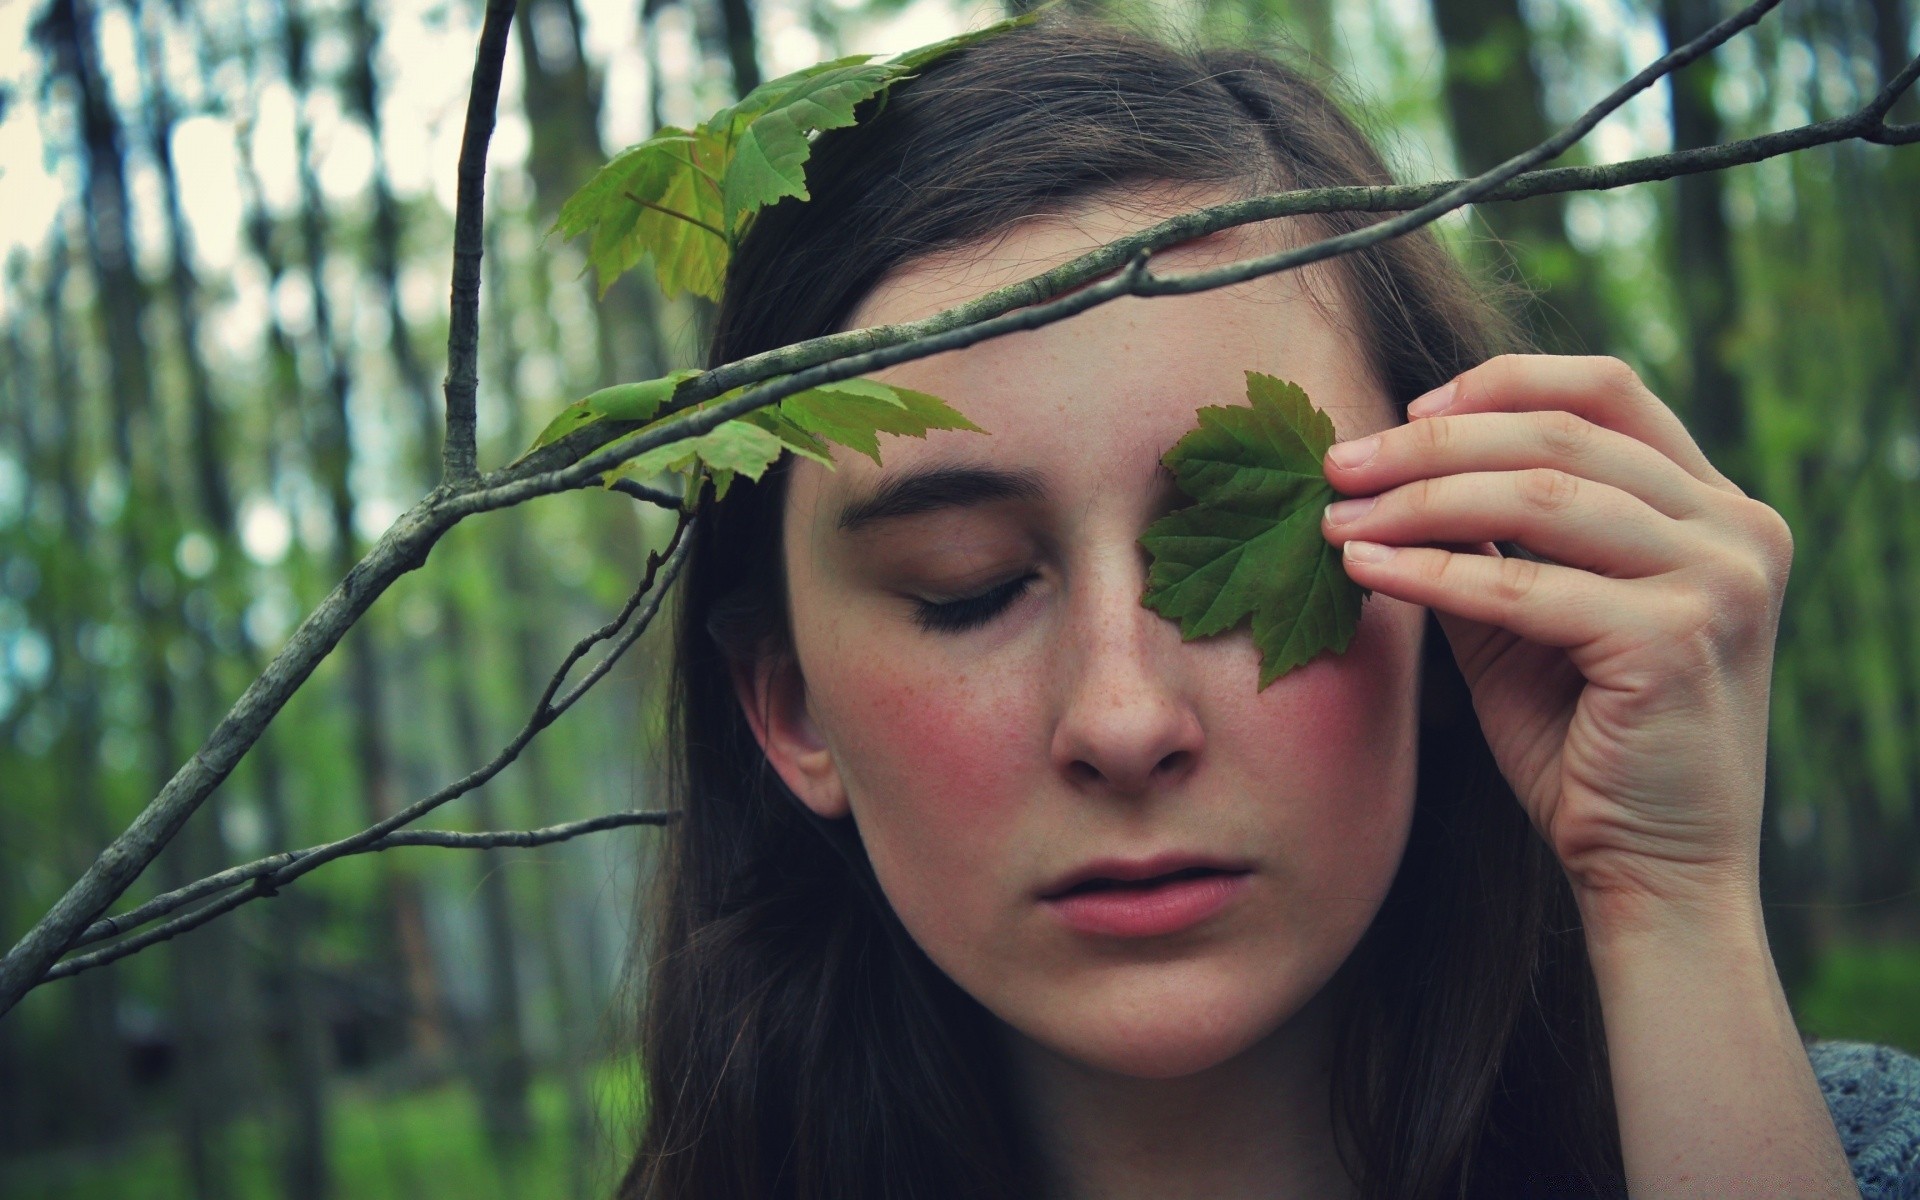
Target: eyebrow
932, 487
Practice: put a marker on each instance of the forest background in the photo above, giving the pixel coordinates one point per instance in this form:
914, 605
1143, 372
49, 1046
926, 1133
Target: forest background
227, 230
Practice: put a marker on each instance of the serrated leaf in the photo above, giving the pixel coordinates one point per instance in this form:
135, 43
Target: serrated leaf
736, 447
682, 197
1250, 550
660, 200
773, 92
797, 439
621, 402
770, 153
853, 412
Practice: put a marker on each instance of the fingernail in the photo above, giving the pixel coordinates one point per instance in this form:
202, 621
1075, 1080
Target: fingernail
1341, 512
1370, 552
1436, 401
1348, 455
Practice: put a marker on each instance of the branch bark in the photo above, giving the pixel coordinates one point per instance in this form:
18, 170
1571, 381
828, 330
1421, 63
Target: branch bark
262, 873
460, 461
582, 458
275, 871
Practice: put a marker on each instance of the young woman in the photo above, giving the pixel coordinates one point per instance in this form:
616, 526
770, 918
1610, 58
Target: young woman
989, 885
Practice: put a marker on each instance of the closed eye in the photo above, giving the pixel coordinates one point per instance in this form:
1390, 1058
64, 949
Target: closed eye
969, 612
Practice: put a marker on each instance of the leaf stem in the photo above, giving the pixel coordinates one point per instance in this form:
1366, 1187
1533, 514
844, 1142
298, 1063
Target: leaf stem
674, 212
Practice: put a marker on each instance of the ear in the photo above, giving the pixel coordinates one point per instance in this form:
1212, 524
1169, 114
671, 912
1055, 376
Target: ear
773, 694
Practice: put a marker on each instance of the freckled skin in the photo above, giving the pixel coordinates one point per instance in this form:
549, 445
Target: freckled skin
981, 765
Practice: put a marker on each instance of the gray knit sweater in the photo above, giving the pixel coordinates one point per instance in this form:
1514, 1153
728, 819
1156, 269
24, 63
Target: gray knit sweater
1874, 1095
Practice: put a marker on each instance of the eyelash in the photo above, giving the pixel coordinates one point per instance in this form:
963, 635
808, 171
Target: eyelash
969, 612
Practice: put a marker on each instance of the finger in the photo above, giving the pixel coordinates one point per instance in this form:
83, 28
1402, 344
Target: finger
1541, 602
1605, 391
1503, 441
1563, 517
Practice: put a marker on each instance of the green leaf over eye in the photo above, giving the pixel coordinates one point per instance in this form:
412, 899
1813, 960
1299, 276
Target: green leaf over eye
1250, 550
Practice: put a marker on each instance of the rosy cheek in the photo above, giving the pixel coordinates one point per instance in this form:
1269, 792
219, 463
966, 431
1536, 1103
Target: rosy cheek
933, 765
1351, 722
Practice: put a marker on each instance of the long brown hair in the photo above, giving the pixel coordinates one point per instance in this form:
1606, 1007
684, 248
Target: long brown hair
796, 1043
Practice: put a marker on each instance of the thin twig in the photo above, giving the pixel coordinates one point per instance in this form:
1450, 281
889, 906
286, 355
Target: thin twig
864, 350
675, 213
281, 869
640, 491
447, 839
401, 549
461, 461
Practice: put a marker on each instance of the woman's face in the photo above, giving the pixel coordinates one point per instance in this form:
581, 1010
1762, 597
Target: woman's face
1045, 727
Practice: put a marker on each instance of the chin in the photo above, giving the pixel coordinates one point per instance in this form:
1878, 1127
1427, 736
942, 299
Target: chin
1170, 1033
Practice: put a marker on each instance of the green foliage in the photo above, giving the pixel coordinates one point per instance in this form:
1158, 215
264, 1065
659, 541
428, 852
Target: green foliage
1250, 548
621, 402
1865, 992
684, 197
383, 1144
852, 413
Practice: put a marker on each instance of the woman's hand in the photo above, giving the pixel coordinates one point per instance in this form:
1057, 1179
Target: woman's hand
1623, 689
1622, 686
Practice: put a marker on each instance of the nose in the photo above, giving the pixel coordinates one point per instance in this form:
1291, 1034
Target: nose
1126, 723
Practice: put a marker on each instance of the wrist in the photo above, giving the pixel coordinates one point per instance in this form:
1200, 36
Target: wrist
1716, 903
1711, 1081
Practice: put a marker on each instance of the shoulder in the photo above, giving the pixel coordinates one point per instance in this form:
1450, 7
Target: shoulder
1874, 1095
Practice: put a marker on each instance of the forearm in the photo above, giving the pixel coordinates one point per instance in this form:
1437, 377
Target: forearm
1716, 1097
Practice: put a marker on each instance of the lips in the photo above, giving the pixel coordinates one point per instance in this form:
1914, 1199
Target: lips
1113, 873
1144, 897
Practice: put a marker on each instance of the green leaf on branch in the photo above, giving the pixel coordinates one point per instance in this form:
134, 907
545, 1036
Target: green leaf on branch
852, 413
734, 448
1250, 550
770, 148
682, 198
661, 200
621, 402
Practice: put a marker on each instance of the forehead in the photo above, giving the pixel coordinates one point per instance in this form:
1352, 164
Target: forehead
1097, 398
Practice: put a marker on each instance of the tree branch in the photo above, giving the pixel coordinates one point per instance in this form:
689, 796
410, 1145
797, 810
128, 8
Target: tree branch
581, 458
461, 458
640, 491
278, 870
859, 351
403, 548
266, 869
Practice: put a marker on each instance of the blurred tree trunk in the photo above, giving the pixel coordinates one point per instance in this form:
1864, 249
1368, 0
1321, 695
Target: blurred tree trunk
1885, 237
1702, 256
363, 92
562, 97
199, 967
1714, 404
1892, 21
71, 590
743, 51
1497, 106
503, 1072
303, 1163
333, 457
1895, 246
522, 604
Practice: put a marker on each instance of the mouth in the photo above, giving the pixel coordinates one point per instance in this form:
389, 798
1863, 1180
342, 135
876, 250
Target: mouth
1144, 899
1106, 883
